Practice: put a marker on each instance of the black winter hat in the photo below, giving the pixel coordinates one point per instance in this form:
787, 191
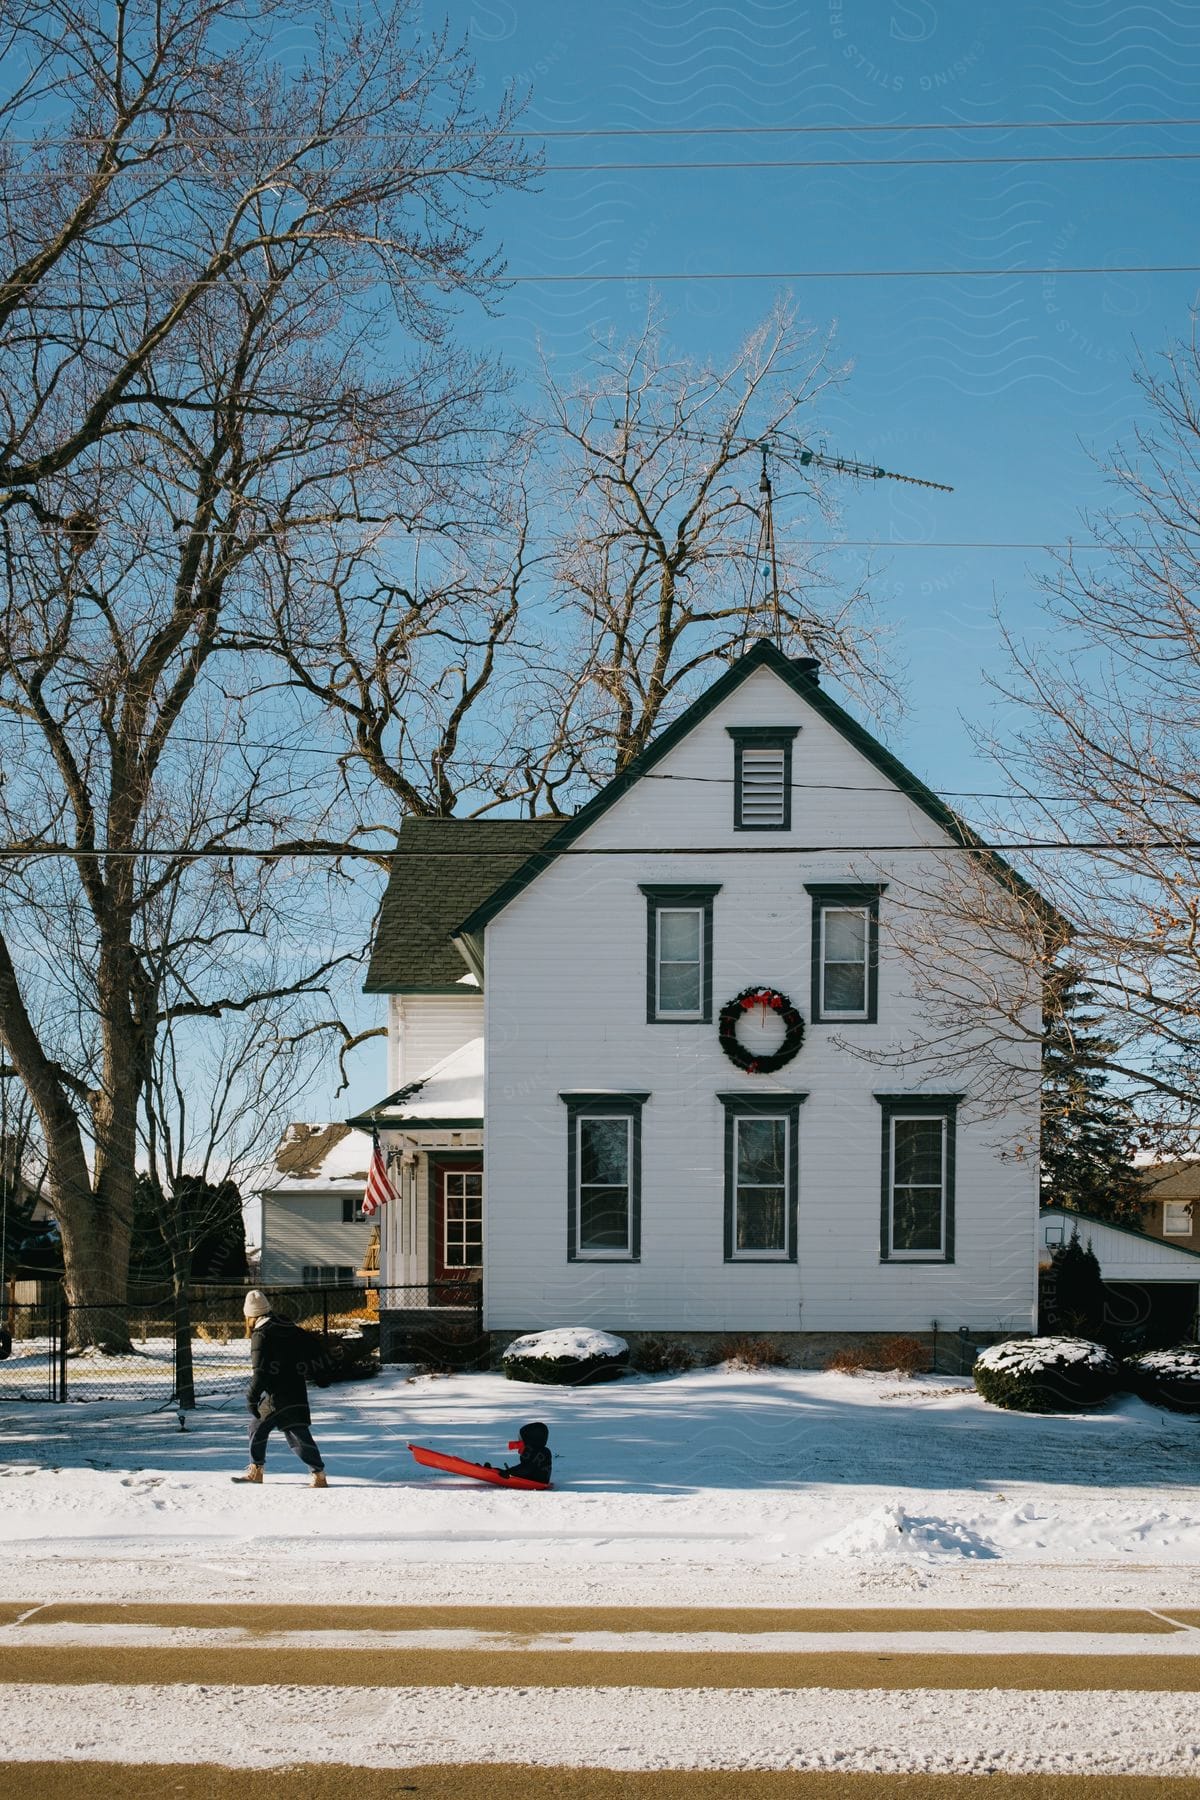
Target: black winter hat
535, 1436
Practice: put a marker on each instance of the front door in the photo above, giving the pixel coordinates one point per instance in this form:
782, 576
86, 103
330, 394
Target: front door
458, 1233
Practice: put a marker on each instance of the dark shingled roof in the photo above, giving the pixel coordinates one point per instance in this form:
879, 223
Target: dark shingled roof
443, 870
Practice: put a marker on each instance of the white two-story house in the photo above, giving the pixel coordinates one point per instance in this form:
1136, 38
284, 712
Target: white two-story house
639, 1057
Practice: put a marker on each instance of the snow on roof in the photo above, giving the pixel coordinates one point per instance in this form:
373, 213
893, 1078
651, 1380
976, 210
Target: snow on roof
450, 1093
320, 1158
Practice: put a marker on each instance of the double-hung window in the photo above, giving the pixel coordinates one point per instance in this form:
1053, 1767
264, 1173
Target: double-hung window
845, 951
761, 1176
1177, 1218
679, 953
917, 1203
762, 776
604, 1176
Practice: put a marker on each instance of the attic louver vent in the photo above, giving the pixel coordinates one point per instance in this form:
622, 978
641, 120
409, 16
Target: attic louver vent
763, 796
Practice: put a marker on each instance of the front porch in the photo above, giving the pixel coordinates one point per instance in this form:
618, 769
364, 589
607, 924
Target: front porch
431, 1233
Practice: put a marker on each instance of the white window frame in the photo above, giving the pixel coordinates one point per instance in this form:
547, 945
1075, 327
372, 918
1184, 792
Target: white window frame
464, 1175
926, 1255
1174, 1230
858, 1012
660, 1011
783, 1254
606, 1252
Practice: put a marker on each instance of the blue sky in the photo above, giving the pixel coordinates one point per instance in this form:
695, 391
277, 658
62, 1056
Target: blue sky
1000, 386
1004, 386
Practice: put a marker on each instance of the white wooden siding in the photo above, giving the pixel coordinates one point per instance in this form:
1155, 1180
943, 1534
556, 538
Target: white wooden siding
566, 1011
300, 1229
1122, 1256
423, 1028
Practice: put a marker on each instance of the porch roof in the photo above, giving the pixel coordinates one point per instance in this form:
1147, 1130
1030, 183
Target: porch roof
449, 1096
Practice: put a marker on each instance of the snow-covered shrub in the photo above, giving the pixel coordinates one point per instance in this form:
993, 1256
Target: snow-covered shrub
740, 1352
1169, 1378
656, 1355
568, 1357
1046, 1374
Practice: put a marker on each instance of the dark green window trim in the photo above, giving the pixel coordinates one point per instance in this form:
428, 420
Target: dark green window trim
663, 894
762, 737
846, 893
918, 1106
605, 1105
777, 1105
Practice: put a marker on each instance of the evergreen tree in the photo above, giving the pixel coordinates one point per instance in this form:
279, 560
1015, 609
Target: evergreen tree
201, 1221
1071, 1292
1087, 1131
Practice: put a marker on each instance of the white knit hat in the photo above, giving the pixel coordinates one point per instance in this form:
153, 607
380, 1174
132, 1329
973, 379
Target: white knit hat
256, 1305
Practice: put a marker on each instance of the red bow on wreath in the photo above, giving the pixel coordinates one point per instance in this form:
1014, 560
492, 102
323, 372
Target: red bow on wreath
793, 1030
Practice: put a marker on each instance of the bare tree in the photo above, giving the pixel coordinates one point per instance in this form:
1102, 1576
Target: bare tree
1104, 770
417, 668
201, 251
656, 537
212, 1100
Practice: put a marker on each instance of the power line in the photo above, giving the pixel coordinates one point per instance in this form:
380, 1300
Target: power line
874, 162
1014, 273
309, 853
807, 787
560, 133
643, 131
865, 274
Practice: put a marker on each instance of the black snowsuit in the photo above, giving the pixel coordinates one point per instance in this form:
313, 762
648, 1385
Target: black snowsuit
282, 1357
536, 1459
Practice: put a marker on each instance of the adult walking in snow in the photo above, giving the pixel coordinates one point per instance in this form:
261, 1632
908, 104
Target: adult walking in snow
282, 1358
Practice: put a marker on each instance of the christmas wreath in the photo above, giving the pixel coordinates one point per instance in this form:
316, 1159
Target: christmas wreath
771, 1001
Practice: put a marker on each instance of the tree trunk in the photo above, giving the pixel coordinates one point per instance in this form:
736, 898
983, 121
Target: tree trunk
96, 1265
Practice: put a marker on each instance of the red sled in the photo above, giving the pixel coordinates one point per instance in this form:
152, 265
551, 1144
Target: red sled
454, 1465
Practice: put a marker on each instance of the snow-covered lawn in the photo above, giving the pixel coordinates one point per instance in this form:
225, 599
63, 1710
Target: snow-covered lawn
148, 1374
716, 1487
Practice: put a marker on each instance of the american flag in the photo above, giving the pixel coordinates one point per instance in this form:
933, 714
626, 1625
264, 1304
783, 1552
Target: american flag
379, 1184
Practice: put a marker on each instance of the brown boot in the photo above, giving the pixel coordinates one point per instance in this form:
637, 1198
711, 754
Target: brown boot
253, 1474
317, 1479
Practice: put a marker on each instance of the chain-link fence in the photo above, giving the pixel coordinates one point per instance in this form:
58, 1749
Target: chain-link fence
197, 1349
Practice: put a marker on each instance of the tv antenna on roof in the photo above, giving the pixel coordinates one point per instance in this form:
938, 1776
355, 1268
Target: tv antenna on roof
795, 453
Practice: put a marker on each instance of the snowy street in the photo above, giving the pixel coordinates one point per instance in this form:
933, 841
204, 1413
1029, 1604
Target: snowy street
778, 1571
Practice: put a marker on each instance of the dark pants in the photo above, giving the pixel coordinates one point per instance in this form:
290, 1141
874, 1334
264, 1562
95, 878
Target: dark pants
298, 1436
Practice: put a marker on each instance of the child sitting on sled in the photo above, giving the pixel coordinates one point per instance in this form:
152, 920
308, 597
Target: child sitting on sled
535, 1457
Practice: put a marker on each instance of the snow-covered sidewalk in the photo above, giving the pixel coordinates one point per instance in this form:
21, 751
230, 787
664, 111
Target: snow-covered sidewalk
710, 1488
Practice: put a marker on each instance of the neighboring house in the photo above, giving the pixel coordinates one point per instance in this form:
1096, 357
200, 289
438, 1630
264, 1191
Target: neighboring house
565, 1123
1173, 1202
1153, 1284
313, 1230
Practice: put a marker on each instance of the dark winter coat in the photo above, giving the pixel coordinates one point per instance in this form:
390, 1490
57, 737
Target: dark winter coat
284, 1358
536, 1460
